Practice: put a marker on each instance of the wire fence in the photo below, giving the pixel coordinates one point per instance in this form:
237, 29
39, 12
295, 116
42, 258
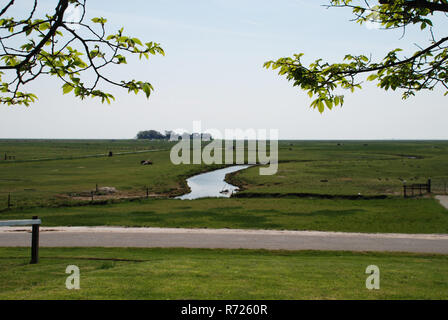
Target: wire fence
35, 197
439, 186
31, 198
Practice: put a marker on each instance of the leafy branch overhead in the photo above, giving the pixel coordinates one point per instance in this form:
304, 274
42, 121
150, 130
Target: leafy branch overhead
73, 50
426, 69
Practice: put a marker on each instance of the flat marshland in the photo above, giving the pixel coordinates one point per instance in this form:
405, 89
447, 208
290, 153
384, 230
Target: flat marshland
349, 186
332, 186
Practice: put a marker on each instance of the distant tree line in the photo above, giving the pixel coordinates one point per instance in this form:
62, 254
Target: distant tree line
152, 135
171, 135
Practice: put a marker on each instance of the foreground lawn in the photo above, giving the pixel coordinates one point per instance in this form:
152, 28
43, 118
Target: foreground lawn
388, 215
219, 274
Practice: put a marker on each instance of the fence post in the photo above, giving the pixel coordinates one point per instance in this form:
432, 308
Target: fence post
147, 192
35, 243
404, 190
9, 200
429, 185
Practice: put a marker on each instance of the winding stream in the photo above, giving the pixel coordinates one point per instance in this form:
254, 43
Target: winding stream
211, 184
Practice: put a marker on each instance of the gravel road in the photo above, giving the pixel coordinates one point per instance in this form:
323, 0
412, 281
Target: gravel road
224, 238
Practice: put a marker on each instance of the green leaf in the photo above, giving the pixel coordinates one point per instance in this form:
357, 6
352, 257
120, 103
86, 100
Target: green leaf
44, 26
137, 41
99, 20
147, 89
66, 88
320, 106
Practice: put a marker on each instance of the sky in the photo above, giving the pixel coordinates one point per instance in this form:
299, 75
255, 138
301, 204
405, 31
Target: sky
213, 72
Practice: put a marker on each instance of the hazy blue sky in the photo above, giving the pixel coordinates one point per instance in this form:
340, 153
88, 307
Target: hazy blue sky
213, 72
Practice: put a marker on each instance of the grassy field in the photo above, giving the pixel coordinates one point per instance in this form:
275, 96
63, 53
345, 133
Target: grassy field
351, 168
27, 150
219, 274
57, 187
53, 179
67, 169
66, 176
388, 215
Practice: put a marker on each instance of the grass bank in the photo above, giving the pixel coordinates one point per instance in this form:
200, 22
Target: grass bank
375, 216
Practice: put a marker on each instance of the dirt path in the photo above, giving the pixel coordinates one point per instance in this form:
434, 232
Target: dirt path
224, 238
443, 200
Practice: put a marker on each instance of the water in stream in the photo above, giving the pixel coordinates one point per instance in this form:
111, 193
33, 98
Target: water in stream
211, 184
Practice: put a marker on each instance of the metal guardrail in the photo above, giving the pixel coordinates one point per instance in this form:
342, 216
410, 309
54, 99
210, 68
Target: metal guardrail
35, 223
13, 223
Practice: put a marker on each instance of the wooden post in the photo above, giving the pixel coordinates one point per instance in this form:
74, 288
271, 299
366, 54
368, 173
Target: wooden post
9, 200
96, 188
147, 192
35, 243
429, 185
404, 191
91, 195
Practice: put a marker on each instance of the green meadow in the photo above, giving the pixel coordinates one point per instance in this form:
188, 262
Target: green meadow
320, 185
384, 215
352, 168
55, 173
111, 273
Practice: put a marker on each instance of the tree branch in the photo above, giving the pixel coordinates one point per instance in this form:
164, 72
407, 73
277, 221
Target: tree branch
59, 15
6, 8
421, 4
